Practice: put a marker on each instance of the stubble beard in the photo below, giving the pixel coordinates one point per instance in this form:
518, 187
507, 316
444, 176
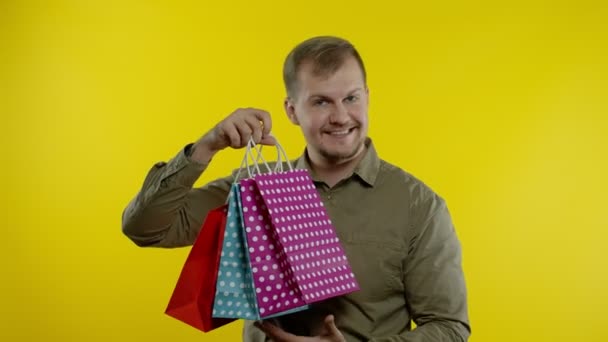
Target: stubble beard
334, 157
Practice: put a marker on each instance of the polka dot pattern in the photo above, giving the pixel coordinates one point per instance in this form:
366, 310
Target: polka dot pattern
234, 297
274, 282
283, 213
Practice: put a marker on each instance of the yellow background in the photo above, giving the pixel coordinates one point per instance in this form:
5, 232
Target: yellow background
502, 109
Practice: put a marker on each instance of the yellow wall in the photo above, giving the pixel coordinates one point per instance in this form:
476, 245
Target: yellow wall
502, 109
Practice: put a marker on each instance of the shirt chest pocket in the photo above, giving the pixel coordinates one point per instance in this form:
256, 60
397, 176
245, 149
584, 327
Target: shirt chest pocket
377, 265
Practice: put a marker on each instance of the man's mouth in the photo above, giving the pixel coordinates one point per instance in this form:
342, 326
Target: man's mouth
340, 133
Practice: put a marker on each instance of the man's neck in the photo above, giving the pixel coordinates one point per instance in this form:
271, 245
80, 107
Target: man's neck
332, 172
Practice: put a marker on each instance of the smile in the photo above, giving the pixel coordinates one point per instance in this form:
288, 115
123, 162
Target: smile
340, 133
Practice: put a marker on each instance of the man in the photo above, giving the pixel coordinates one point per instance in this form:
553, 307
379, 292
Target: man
397, 233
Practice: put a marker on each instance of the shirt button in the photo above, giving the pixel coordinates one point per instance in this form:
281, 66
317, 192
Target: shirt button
328, 196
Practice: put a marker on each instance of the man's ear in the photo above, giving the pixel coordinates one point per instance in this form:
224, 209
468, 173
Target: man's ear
290, 110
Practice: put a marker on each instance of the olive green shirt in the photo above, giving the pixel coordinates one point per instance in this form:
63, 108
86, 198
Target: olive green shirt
396, 232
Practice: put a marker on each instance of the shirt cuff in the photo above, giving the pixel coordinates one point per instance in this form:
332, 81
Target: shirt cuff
182, 170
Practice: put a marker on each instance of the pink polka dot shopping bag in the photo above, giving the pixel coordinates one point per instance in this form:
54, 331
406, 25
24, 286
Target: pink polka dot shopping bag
280, 251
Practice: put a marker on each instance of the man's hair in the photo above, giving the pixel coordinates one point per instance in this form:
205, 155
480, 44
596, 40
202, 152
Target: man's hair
326, 53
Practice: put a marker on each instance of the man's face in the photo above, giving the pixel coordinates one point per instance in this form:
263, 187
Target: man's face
331, 110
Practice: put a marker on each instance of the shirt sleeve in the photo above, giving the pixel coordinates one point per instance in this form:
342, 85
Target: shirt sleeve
434, 280
168, 211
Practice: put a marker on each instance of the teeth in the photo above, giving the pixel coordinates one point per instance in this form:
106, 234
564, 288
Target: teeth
345, 132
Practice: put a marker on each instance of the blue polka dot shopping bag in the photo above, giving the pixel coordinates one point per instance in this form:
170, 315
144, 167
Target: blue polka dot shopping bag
235, 295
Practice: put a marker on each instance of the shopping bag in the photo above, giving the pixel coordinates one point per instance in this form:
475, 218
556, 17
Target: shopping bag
192, 298
235, 295
285, 220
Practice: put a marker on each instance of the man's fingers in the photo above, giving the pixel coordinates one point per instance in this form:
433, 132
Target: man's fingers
245, 133
256, 127
268, 140
237, 129
275, 333
230, 134
263, 117
330, 326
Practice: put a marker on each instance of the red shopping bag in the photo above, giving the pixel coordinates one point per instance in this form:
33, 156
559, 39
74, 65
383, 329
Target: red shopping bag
192, 299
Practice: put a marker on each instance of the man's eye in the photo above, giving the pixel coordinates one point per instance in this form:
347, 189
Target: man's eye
320, 102
351, 98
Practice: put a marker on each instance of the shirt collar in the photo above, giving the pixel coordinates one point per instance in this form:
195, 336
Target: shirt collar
367, 169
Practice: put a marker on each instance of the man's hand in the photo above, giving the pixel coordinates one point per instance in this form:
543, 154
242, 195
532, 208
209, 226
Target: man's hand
234, 131
329, 334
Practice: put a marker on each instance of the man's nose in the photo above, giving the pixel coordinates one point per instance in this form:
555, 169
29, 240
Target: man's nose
339, 115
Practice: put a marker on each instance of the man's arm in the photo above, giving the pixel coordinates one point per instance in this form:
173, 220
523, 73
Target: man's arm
434, 280
167, 211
